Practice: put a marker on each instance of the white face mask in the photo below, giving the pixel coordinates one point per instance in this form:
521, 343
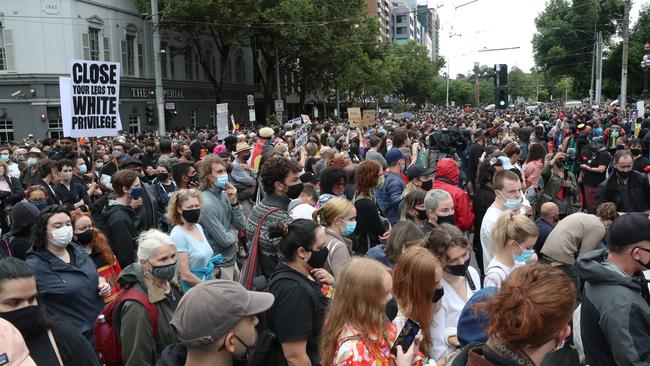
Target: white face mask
62, 236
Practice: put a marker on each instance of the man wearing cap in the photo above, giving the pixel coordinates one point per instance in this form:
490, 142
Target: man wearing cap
30, 175
218, 335
242, 175
390, 195
594, 173
615, 313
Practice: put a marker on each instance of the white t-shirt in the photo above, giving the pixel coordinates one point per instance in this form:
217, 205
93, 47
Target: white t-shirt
497, 272
302, 211
489, 220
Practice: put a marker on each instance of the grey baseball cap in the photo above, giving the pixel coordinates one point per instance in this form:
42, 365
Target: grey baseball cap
210, 309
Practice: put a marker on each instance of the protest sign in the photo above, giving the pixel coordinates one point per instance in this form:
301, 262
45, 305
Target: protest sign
302, 135
90, 99
369, 117
354, 116
222, 120
305, 118
295, 121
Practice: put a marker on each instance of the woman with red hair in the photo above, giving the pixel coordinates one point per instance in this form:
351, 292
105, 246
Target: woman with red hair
96, 245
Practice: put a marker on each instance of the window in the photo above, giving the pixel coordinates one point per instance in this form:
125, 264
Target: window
93, 37
6, 130
400, 30
399, 19
193, 118
128, 55
54, 123
196, 66
7, 61
134, 124
163, 60
141, 72
240, 71
107, 49
188, 64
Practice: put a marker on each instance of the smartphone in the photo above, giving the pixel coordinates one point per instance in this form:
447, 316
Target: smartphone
136, 193
406, 336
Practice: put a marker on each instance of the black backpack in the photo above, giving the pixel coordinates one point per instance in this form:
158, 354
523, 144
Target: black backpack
267, 345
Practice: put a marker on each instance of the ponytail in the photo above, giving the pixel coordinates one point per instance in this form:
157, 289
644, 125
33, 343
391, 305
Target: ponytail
511, 226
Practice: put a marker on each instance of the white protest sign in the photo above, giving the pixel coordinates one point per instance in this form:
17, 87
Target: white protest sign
251, 115
302, 135
294, 121
222, 120
305, 118
90, 99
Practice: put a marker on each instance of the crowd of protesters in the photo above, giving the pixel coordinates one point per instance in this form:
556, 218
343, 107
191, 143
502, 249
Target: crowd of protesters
511, 238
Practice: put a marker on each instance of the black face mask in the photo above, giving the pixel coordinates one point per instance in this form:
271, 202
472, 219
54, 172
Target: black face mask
294, 191
636, 152
162, 176
194, 178
86, 237
244, 158
26, 319
318, 258
560, 163
427, 185
451, 220
459, 270
438, 295
249, 350
192, 216
623, 174
422, 215
646, 265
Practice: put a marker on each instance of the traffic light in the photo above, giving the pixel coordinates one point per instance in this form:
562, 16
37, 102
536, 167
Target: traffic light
149, 114
502, 97
503, 75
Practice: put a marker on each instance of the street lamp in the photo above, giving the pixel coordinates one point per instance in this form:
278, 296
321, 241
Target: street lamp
645, 66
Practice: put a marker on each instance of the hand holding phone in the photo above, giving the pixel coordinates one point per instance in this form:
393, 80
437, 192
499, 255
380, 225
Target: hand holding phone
406, 336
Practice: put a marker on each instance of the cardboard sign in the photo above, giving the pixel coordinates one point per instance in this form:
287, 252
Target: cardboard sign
302, 135
354, 116
222, 120
90, 99
305, 118
369, 117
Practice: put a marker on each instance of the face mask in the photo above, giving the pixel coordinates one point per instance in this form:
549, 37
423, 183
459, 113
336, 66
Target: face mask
166, 272
620, 147
66, 176
192, 216
99, 166
66, 149
83, 169
623, 174
512, 203
438, 295
389, 147
162, 176
422, 215
294, 192
646, 265
4, 157
248, 351
136, 192
427, 185
636, 152
26, 319
318, 259
86, 237
194, 178
380, 182
349, 228
450, 219
40, 204
221, 181
459, 270
560, 163
62, 236
117, 154
32, 161
559, 346
525, 255
244, 158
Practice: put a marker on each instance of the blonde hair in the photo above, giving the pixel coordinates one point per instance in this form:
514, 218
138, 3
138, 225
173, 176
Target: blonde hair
511, 227
173, 216
205, 169
151, 240
331, 210
359, 304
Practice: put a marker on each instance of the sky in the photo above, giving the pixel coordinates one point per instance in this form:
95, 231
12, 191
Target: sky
492, 24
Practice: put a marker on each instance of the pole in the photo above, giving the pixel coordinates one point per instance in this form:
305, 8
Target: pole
277, 73
337, 113
599, 68
626, 36
593, 71
447, 104
160, 101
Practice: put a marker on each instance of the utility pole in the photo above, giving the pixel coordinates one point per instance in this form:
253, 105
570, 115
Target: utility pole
447, 104
626, 35
593, 72
599, 68
160, 98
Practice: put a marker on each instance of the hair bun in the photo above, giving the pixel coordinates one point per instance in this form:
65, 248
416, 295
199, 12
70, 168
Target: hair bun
278, 230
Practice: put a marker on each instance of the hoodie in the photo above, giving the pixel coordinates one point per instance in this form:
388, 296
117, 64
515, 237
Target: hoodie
446, 178
378, 252
121, 232
614, 316
22, 216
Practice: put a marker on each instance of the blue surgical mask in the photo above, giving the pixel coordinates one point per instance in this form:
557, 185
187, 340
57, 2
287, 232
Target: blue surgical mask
32, 161
349, 228
221, 181
525, 255
4, 157
83, 169
512, 203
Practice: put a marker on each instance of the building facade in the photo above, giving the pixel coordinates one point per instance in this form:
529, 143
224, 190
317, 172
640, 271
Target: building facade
428, 18
380, 9
39, 38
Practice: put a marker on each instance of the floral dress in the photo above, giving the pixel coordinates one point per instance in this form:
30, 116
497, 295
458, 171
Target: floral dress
353, 352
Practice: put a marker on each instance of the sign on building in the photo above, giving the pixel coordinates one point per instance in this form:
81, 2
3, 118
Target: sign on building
90, 99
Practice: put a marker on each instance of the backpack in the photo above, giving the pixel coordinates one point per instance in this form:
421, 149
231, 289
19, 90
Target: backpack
614, 134
106, 334
267, 344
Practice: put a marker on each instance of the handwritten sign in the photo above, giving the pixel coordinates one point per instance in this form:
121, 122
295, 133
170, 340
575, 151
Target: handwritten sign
354, 116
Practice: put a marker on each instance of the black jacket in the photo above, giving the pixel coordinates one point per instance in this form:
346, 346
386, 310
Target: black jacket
73, 347
15, 195
22, 217
638, 192
121, 232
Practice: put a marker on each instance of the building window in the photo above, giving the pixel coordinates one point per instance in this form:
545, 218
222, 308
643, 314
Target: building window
128, 55
134, 124
399, 19
54, 123
240, 71
193, 118
107, 49
141, 72
93, 44
400, 30
188, 64
6, 130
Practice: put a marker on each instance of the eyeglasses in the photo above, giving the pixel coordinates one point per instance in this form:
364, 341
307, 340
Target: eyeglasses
644, 249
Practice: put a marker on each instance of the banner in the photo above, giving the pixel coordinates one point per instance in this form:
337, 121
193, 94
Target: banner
222, 121
354, 116
90, 99
369, 117
302, 135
